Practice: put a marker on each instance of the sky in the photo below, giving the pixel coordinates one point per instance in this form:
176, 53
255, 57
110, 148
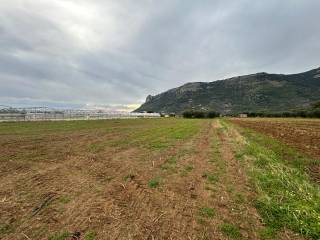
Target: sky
112, 54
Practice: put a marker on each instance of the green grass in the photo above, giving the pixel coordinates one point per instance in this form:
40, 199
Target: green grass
188, 168
267, 233
285, 154
287, 197
212, 178
160, 135
206, 212
59, 236
216, 156
91, 235
231, 231
154, 183
64, 199
159, 145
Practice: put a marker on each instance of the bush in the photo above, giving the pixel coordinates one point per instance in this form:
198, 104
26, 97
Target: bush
199, 115
213, 114
187, 114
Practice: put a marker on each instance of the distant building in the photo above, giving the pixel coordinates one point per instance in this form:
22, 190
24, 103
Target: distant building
243, 115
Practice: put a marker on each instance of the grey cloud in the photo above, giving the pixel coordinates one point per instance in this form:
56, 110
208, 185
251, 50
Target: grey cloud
114, 53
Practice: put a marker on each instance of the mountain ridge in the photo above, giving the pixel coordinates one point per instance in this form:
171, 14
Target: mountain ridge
253, 92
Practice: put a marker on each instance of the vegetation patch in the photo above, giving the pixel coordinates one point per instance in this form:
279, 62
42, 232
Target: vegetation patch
212, 178
188, 168
60, 236
287, 197
154, 183
230, 230
267, 233
158, 145
64, 199
90, 235
206, 212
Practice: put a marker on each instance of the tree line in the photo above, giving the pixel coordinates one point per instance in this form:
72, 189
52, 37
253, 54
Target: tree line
200, 114
302, 114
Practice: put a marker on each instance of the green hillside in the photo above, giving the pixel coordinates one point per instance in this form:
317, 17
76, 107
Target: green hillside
255, 92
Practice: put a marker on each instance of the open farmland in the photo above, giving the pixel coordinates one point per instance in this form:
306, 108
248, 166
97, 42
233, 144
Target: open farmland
156, 179
303, 134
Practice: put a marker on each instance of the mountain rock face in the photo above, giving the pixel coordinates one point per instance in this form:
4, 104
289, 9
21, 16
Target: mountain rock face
250, 93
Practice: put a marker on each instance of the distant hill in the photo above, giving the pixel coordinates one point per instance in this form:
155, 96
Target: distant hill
250, 93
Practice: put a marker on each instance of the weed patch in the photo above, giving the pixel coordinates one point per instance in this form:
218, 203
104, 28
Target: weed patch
188, 168
206, 212
91, 235
59, 236
64, 199
267, 233
210, 177
154, 183
230, 230
287, 197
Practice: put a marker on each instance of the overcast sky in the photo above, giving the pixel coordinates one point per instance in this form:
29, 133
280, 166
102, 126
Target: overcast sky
73, 53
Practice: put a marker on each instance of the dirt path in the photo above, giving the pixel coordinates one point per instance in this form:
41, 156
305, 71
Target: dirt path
235, 199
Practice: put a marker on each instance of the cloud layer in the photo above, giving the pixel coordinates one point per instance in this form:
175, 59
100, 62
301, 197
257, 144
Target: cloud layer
101, 52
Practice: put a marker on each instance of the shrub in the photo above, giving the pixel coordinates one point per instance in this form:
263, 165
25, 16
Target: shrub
213, 114
199, 114
187, 114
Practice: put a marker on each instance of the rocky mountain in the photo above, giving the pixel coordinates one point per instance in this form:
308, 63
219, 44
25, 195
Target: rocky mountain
250, 93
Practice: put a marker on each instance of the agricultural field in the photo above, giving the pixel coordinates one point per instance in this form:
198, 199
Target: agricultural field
160, 179
303, 134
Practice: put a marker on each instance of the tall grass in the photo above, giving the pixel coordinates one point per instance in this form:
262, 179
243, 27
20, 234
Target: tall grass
287, 197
